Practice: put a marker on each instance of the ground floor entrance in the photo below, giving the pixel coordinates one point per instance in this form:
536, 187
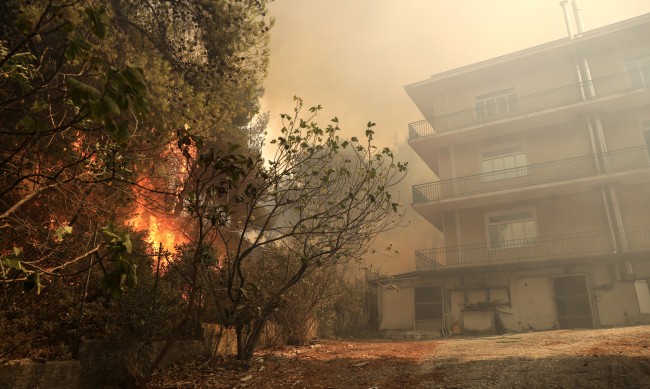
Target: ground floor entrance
572, 302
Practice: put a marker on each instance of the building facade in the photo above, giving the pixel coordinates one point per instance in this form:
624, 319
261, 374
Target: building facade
543, 194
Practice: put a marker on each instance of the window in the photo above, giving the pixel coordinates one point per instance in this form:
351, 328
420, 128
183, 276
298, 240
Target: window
513, 159
496, 104
428, 303
512, 229
639, 71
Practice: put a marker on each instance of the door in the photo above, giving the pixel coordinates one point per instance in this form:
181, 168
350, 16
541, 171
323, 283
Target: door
572, 302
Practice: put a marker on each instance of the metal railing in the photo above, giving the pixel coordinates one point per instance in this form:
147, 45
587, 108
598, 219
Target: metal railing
548, 99
566, 169
561, 246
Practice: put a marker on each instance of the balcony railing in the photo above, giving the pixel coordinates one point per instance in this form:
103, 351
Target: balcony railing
565, 246
566, 169
552, 98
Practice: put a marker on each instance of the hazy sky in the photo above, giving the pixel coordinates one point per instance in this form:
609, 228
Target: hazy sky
355, 56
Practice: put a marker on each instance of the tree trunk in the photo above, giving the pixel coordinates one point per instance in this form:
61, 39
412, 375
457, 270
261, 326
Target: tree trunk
247, 341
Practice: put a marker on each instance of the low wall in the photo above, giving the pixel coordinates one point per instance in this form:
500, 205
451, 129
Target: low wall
103, 363
31, 375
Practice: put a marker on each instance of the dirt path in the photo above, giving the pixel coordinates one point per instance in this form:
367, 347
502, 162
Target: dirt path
616, 358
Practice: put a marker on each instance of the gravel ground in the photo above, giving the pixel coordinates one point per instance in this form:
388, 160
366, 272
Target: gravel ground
612, 358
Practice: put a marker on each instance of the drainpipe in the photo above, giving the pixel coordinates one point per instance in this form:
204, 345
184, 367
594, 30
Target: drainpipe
618, 218
590, 83
567, 21
577, 13
610, 222
580, 81
611, 198
578, 16
594, 147
569, 30
602, 143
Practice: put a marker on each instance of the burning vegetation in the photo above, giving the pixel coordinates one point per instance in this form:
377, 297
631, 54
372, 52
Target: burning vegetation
120, 157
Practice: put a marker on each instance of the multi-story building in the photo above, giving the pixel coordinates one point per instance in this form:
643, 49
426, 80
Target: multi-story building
543, 194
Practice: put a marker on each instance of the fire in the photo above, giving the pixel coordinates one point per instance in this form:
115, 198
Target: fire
162, 230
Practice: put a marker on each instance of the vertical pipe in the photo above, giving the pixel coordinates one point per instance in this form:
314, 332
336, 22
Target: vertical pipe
567, 20
458, 232
577, 13
618, 218
601, 134
594, 147
581, 83
608, 214
590, 83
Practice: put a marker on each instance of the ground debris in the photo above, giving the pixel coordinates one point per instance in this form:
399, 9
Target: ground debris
563, 358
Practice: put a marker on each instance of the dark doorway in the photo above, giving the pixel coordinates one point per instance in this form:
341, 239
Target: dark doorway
572, 302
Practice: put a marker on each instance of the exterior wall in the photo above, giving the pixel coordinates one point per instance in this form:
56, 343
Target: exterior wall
551, 72
397, 309
544, 144
562, 214
526, 298
633, 202
553, 127
623, 129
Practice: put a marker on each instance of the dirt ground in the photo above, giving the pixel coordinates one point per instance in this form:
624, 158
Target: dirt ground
611, 358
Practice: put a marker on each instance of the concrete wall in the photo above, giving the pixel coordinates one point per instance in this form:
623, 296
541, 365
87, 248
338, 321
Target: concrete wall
48, 375
560, 214
544, 144
527, 297
397, 309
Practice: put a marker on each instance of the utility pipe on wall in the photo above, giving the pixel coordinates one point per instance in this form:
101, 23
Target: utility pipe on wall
577, 13
567, 20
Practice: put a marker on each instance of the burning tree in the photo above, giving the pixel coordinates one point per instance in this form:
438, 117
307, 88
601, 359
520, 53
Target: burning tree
92, 93
318, 202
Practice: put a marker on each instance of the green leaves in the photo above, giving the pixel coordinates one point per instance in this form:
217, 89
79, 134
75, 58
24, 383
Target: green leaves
13, 262
98, 20
62, 232
81, 93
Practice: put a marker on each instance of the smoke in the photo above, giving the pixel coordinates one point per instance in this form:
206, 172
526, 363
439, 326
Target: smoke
354, 58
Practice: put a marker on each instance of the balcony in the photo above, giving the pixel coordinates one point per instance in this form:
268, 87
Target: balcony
596, 89
566, 169
553, 247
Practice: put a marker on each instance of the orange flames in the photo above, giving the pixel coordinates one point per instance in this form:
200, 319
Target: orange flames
162, 230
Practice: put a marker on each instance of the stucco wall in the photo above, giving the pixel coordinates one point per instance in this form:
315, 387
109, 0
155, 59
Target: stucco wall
561, 214
397, 309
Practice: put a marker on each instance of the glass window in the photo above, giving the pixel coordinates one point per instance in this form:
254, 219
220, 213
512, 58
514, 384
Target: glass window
496, 104
511, 230
504, 163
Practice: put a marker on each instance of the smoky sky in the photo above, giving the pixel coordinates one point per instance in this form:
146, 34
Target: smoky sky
355, 56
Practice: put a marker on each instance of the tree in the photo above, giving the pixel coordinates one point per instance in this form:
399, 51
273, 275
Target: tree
67, 114
92, 94
310, 202
83, 125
